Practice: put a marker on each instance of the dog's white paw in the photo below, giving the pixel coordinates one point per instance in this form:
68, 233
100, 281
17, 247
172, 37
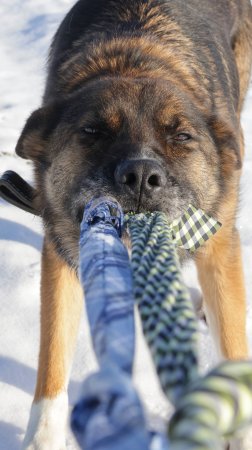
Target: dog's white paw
47, 424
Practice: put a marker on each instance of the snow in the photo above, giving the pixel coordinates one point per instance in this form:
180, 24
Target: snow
25, 34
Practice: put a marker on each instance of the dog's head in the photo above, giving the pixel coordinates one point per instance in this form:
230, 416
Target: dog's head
142, 141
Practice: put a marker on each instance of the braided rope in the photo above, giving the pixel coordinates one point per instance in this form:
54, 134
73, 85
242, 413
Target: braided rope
218, 405
166, 311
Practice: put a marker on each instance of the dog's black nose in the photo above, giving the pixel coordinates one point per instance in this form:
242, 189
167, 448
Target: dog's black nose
140, 176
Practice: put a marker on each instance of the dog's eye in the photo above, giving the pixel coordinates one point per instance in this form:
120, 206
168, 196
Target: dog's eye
182, 137
90, 130
95, 133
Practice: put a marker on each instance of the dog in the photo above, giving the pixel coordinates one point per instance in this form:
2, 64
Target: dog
142, 102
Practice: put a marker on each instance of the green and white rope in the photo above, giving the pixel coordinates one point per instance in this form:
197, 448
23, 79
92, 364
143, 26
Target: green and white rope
218, 405
164, 303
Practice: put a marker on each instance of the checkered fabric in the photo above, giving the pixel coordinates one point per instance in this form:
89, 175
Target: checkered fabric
193, 228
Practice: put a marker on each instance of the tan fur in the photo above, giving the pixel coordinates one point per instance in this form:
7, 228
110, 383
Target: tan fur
61, 304
221, 278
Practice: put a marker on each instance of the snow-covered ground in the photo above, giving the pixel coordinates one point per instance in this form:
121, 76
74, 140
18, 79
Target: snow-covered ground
26, 29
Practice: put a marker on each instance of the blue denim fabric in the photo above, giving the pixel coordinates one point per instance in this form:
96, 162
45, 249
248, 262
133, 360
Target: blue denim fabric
109, 415
105, 273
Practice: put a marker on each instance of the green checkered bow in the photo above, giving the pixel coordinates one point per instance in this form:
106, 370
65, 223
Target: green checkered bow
193, 228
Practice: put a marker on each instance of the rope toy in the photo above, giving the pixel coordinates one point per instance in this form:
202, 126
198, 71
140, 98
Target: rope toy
110, 415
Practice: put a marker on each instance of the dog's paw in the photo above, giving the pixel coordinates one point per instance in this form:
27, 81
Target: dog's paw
47, 425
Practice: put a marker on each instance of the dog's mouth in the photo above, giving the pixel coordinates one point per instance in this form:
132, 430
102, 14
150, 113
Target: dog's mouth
126, 211
171, 204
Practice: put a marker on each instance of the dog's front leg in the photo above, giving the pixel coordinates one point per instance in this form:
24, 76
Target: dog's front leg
221, 278
61, 301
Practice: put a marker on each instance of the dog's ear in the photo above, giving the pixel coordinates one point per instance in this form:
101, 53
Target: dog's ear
227, 137
37, 131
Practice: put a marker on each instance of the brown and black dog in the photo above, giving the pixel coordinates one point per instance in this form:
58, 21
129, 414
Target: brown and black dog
142, 102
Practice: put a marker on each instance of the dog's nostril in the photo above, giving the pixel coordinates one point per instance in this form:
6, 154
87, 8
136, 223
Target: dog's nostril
154, 181
129, 179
